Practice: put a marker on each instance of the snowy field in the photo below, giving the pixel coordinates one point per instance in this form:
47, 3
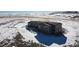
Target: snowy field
9, 27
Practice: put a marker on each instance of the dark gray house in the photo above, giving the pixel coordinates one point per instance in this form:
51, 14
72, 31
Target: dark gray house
46, 27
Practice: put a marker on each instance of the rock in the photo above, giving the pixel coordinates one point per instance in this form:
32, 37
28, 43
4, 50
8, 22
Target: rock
46, 27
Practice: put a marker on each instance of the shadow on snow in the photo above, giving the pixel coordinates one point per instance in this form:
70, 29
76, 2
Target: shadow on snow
50, 39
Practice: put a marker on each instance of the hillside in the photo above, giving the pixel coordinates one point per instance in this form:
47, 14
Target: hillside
10, 27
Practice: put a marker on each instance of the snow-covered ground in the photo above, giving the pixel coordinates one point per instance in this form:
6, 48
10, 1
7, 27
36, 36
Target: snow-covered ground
9, 27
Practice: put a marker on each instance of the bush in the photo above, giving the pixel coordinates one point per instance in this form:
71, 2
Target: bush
74, 45
17, 41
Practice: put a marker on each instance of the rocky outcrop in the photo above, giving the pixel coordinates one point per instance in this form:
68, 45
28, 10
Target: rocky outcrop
46, 27
64, 12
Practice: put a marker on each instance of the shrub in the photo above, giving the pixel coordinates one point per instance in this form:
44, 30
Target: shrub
17, 41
